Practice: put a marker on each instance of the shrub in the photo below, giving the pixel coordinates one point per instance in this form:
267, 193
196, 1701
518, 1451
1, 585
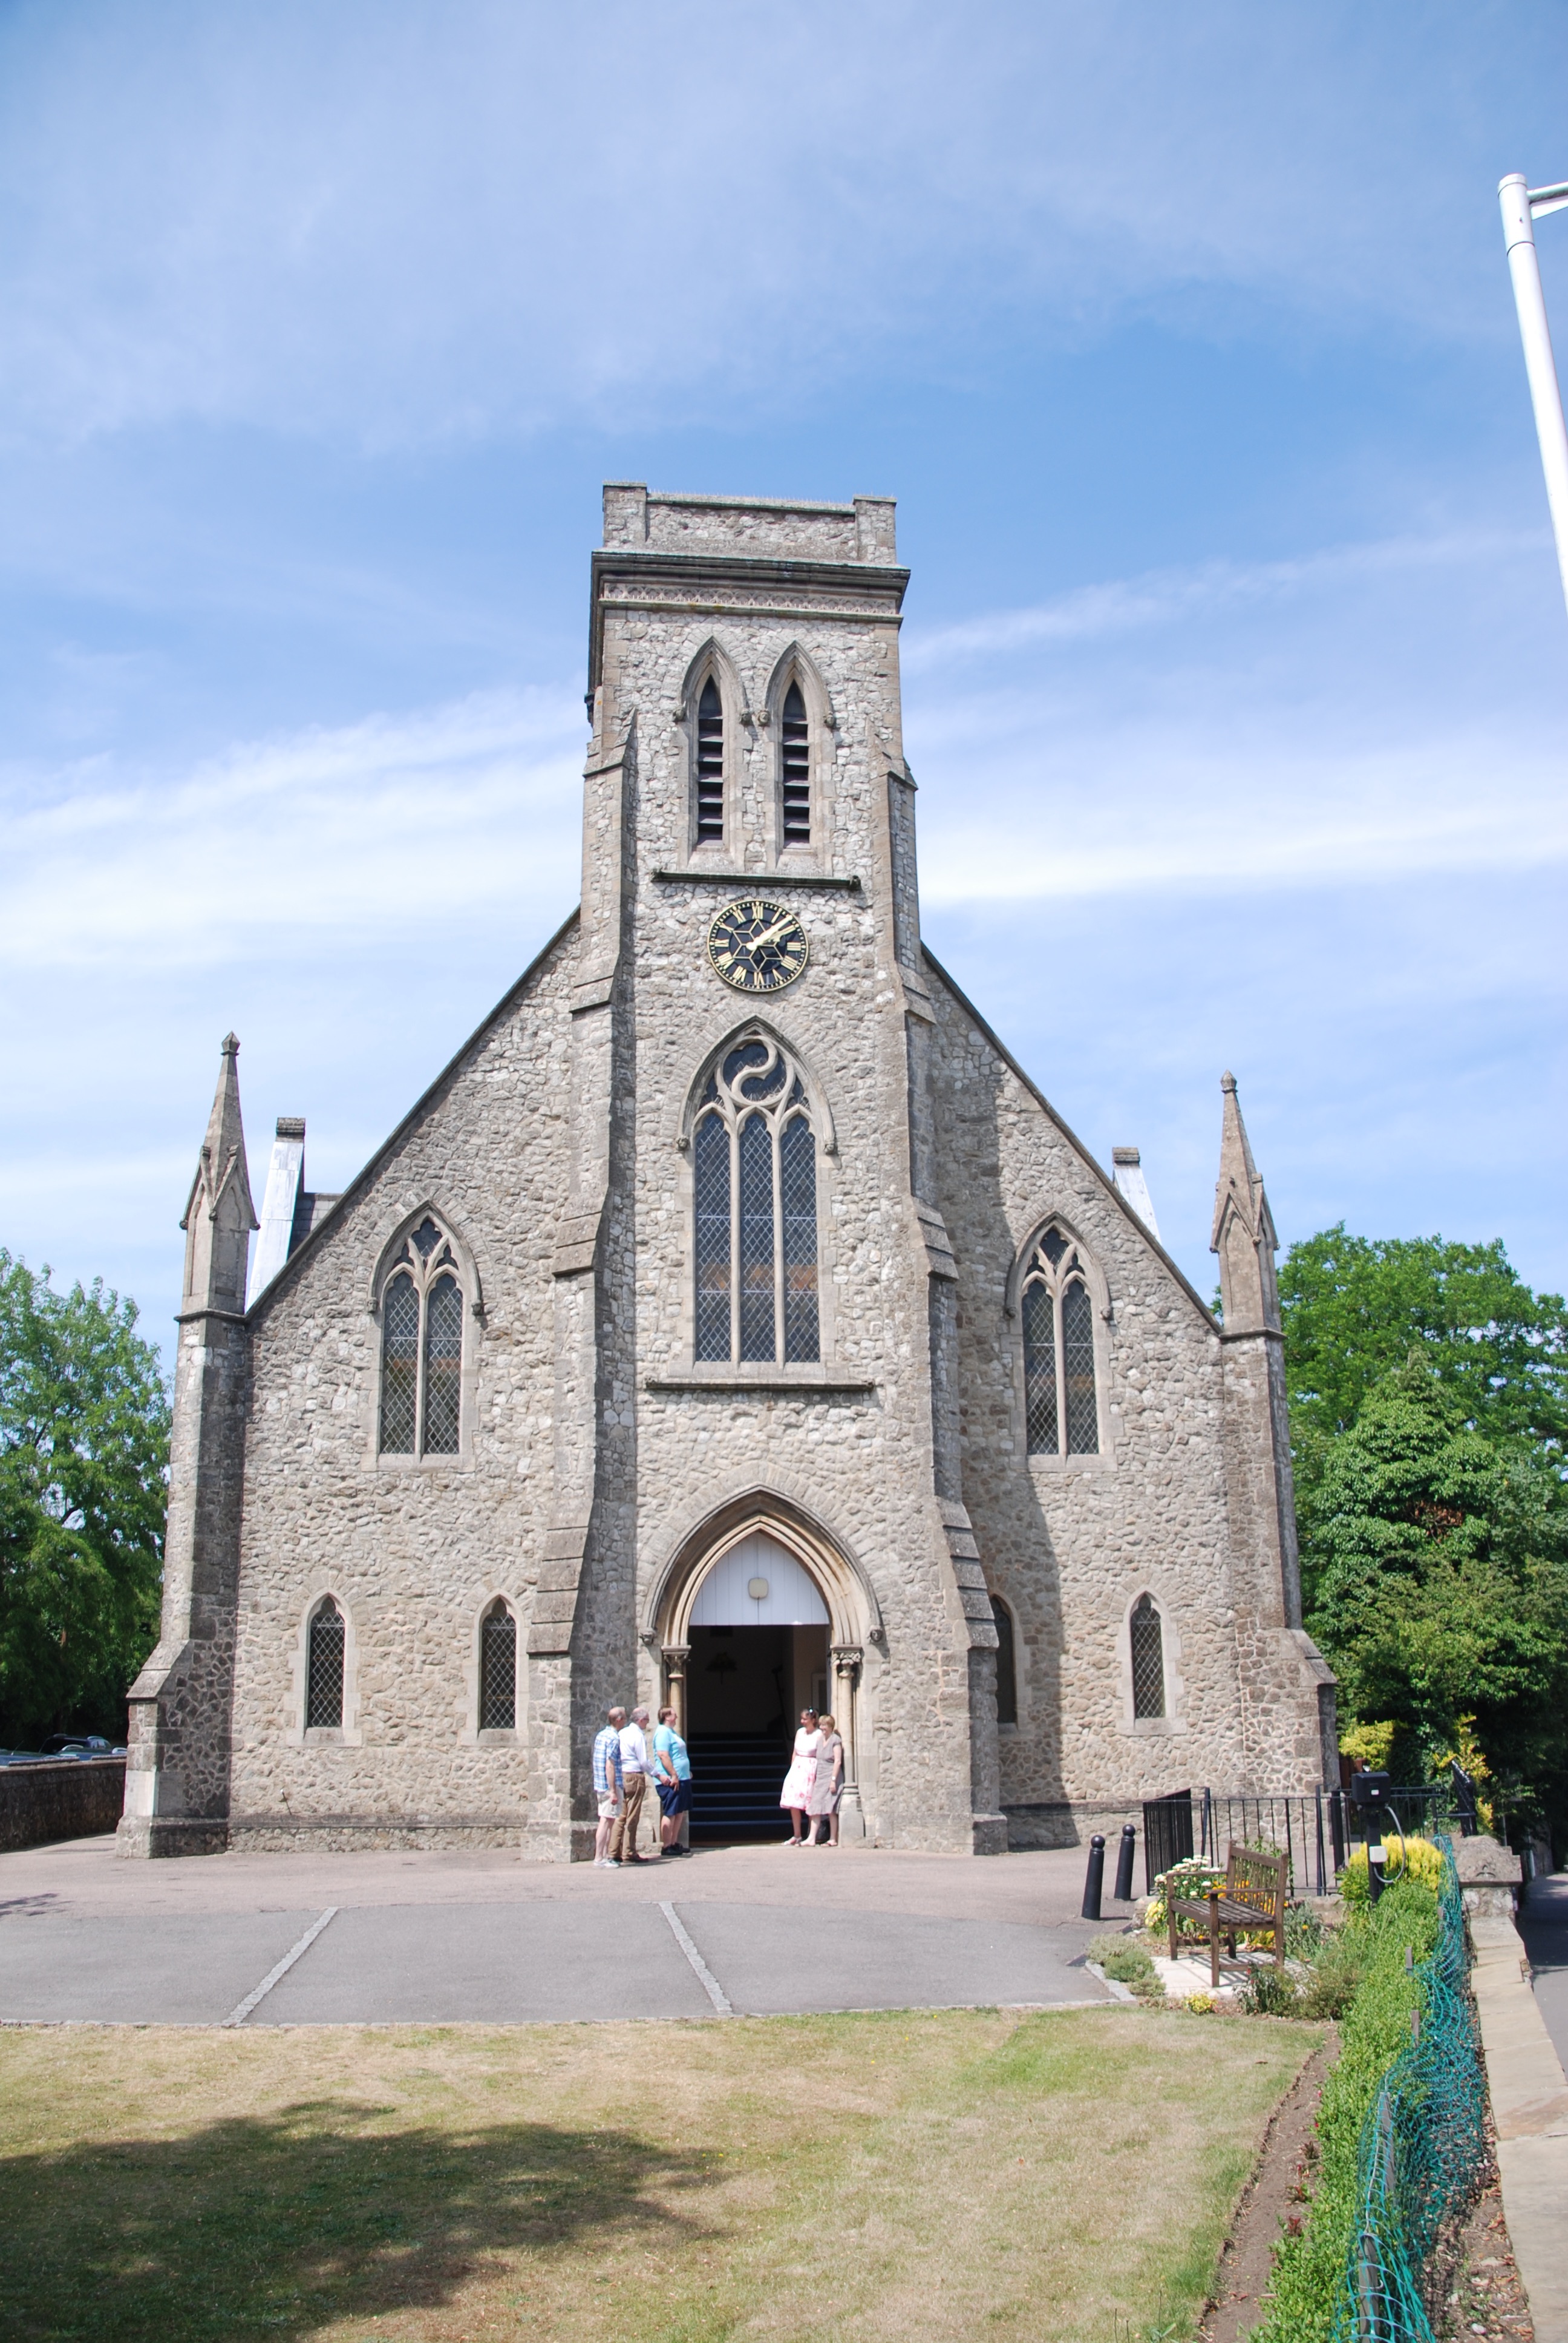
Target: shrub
1308, 2267
1304, 1932
1269, 1993
1188, 1880
1332, 1981
1421, 1862
1123, 1958
1202, 2005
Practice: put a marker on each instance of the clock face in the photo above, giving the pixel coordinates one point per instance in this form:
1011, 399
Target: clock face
756, 946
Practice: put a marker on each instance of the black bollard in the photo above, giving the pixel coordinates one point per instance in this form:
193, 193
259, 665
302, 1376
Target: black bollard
1124, 1862
1094, 1878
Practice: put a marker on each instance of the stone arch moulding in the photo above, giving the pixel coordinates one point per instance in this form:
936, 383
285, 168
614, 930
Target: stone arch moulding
348, 1733
1175, 1720
711, 656
854, 1615
467, 1267
1088, 1257
795, 665
759, 1029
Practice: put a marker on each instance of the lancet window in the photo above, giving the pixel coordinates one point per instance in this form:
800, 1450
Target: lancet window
710, 763
497, 1670
754, 1163
1063, 1410
1006, 1664
1147, 1637
324, 1666
796, 756
422, 1347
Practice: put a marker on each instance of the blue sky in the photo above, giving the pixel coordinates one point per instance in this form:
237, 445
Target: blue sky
1236, 667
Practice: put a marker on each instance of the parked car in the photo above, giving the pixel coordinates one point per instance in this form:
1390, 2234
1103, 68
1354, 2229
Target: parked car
80, 1744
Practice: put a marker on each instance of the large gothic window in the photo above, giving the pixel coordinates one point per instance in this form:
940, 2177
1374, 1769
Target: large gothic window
754, 1172
1059, 1352
422, 1347
796, 752
710, 763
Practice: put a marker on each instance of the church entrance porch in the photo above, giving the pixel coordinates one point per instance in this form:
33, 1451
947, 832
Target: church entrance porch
756, 1651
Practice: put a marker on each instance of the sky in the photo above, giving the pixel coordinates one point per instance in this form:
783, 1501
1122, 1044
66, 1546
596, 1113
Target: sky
1236, 660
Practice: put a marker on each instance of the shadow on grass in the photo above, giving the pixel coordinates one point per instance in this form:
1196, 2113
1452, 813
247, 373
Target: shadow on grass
275, 2224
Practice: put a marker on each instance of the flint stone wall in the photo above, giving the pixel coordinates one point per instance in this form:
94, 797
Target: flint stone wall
77, 1799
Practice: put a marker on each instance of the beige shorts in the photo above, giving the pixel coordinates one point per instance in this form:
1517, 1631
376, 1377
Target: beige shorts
609, 1808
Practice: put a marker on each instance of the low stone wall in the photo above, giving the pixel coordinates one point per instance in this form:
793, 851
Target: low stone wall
77, 1798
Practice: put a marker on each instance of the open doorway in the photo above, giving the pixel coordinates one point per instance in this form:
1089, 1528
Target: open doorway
759, 1654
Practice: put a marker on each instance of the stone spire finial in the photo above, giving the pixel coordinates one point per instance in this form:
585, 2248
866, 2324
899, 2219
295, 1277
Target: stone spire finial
1243, 1232
219, 1214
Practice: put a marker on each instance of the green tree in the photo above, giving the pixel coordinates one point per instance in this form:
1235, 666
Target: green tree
1355, 1307
1434, 1565
83, 1464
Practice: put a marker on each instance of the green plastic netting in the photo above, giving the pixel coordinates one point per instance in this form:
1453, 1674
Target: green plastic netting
1423, 2153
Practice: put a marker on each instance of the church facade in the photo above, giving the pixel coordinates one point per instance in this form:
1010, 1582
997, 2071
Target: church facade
732, 1323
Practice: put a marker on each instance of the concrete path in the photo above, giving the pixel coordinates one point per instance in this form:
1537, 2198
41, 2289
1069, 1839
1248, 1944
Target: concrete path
1543, 1924
1530, 2113
446, 1938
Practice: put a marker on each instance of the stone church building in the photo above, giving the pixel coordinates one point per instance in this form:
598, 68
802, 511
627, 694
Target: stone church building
732, 1323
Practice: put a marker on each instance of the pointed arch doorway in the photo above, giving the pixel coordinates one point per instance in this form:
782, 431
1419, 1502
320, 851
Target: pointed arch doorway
754, 1648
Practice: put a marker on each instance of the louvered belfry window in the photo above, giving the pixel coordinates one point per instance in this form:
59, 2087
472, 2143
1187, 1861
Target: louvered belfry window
754, 1177
797, 762
497, 1671
422, 1318
710, 763
1148, 1639
1061, 1405
324, 1667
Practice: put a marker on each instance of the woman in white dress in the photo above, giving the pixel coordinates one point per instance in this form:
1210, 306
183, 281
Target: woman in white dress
796, 1794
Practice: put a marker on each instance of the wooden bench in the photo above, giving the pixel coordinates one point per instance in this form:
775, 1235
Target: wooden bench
1252, 1900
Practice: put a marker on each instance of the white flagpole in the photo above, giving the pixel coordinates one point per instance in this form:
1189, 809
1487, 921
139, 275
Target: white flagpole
1521, 206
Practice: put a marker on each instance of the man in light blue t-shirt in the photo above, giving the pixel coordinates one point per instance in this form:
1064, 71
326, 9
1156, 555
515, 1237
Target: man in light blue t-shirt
672, 1779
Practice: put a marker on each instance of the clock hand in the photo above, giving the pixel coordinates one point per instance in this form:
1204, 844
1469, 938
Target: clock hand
770, 935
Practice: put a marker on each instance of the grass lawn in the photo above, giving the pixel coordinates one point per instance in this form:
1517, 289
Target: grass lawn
936, 2174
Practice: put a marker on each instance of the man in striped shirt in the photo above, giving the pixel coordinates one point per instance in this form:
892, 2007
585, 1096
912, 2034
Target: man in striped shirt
607, 1785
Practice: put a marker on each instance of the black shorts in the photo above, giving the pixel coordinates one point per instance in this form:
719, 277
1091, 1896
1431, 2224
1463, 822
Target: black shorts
675, 1797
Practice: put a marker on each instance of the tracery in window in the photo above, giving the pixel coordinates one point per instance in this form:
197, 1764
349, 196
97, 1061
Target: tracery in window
1148, 1640
497, 1670
754, 1177
1005, 1665
1060, 1405
796, 742
710, 763
422, 1347
324, 1666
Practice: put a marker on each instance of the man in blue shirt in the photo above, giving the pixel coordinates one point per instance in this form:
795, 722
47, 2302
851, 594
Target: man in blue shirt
607, 1789
672, 1775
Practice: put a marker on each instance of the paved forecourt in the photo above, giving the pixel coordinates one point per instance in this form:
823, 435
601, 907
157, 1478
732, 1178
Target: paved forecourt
485, 1938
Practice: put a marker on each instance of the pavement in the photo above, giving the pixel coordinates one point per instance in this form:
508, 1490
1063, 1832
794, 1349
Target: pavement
1543, 1924
481, 1936
1529, 2099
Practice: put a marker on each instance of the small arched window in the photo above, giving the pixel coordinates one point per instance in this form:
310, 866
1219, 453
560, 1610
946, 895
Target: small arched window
754, 1177
497, 1670
796, 742
710, 763
1148, 1642
1063, 1408
324, 1666
422, 1348
1005, 1665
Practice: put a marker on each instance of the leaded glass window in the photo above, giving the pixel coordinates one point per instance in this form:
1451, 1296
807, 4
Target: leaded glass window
497, 1671
1148, 1640
324, 1666
754, 1182
422, 1318
796, 742
1061, 1405
710, 763
1005, 1665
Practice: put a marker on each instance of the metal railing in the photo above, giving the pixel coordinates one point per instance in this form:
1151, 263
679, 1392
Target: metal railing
1316, 1829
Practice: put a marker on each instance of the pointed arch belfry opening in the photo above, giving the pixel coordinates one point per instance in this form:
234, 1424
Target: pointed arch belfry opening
760, 1615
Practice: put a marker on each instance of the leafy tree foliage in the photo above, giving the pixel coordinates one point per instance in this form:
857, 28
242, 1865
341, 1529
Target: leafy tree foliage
83, 1460
1355, 1307
1435, 1577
